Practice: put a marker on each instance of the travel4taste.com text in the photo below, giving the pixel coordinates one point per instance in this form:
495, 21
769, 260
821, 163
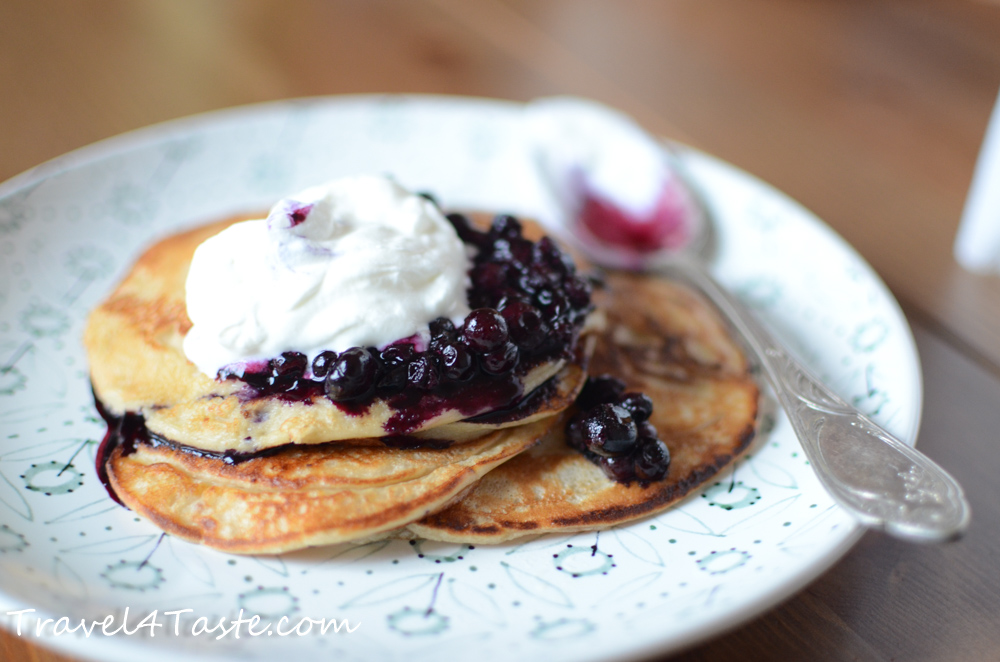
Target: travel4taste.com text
171, 623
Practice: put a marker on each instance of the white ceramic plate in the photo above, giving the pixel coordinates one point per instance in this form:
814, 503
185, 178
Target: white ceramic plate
71, 227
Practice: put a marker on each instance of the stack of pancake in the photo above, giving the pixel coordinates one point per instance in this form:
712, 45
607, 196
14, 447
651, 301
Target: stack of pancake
271, 474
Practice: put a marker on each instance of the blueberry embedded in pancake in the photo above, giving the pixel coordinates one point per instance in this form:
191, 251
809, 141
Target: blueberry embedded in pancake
662, 340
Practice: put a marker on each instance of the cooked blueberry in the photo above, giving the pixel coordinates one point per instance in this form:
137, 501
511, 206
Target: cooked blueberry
578, 292
321, 364
466, 232
647, 431
620, 469
285, 371
393, 380
562, 332
259, 379
609, 430
398, 354
509, 297
553, 303
544, 297
395, 366
484, 329
423, 372
289, 364
639, 405
525, 324
442, 327
575, 432
547, 253
353, 375
652, 461
491, 277
457, 362
596, 390
520, 250
505, 227
532, 282
501, 360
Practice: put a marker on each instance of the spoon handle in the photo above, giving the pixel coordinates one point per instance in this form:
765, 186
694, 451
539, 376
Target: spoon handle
881, 481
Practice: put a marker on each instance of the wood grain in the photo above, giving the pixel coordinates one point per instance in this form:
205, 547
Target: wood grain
869, 112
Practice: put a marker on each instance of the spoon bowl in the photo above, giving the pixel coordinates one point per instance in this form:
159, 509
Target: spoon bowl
881, 481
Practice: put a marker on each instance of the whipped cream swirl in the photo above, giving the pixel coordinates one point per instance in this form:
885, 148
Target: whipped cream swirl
356, 262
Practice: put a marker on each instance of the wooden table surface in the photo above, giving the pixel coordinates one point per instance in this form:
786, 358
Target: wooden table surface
869, 112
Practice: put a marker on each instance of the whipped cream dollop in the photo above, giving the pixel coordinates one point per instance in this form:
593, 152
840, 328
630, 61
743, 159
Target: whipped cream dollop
357, 262
618, 190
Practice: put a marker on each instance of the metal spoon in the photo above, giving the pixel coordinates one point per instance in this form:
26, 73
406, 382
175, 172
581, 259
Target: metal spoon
884, 483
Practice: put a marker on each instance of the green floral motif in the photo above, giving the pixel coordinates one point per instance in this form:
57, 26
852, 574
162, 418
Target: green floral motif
133, 576
43, 321
417, 622
68, 478
719, 563
731, 496
874, 398
868, 336
88, 262
439, 552
582, 562
269, 602
14, 212
132, 205
11, 380
562, 628
11, 540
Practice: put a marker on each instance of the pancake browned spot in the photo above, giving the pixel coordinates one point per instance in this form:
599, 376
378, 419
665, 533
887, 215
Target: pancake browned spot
661, 339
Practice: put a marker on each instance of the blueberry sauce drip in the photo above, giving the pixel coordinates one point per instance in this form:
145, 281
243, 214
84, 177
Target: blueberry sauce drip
125, 431
528, 308
612, 429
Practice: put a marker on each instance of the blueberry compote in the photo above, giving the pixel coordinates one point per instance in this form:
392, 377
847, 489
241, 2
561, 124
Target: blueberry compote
613, 431
528, 306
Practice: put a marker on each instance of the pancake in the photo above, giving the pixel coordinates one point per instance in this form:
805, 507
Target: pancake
660, 339
134, 343
304, 495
